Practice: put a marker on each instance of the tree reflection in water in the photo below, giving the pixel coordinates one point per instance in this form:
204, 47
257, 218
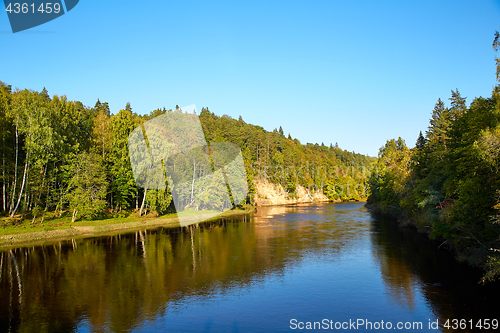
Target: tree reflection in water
120, 282
410, 263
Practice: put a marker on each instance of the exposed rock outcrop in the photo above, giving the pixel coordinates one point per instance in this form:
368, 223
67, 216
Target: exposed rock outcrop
269, 194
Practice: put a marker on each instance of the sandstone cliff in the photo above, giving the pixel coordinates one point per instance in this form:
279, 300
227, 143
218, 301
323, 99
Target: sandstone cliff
269, 194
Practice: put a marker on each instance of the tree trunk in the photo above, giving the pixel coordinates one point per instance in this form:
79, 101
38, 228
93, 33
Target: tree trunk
192, 184
15, 173
3, 183
73, 218
43, 183
143, 201
25, 175
4, 204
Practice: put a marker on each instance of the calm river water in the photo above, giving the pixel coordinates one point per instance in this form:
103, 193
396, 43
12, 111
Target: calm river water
285, 268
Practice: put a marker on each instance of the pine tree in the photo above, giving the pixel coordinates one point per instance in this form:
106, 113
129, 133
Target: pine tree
440, 123
419, 157
421, 141
458, 105
45, 94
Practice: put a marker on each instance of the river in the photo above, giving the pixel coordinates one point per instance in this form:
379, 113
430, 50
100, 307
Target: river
284, 269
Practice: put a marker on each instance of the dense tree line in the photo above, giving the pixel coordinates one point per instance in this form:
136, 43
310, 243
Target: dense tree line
449, 183
62, 157
282, 160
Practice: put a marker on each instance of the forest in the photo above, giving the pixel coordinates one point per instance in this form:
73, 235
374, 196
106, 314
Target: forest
61, 158
448, 185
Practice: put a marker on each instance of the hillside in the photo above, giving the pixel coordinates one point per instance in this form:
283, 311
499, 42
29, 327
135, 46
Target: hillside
63, 157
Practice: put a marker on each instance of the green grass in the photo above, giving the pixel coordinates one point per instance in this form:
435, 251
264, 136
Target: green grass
15, 233
11, 226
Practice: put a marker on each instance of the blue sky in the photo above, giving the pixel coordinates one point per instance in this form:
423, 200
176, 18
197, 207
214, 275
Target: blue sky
353, 72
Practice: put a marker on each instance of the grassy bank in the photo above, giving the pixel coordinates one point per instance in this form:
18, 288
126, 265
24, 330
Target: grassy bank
16, 233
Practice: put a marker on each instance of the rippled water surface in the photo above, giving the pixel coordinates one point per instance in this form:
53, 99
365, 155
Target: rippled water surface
280, 269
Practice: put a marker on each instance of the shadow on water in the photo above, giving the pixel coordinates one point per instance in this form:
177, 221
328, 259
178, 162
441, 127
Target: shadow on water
411, 263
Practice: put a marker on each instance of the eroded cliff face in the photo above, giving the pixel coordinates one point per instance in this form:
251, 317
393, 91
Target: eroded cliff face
269, 194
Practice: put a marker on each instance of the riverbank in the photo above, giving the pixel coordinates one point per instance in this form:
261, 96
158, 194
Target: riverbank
16, 233
395, 213
476, 256
16, 236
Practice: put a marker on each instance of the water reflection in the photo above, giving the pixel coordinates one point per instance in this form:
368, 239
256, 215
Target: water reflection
119, 281
412, 265
327, 254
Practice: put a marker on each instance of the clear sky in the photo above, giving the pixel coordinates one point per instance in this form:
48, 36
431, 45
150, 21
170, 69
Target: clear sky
353, 72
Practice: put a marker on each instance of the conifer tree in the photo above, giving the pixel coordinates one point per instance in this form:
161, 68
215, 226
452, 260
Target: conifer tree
439, 125
457, 105
420, 141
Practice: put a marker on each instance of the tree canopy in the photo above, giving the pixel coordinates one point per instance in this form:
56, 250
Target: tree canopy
63, 157
449, 184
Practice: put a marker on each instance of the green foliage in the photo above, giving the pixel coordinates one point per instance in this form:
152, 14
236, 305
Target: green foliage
452, 181
87, 187
285, 161
60, 155
159, 200
123, 185
389, 184
492, 268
